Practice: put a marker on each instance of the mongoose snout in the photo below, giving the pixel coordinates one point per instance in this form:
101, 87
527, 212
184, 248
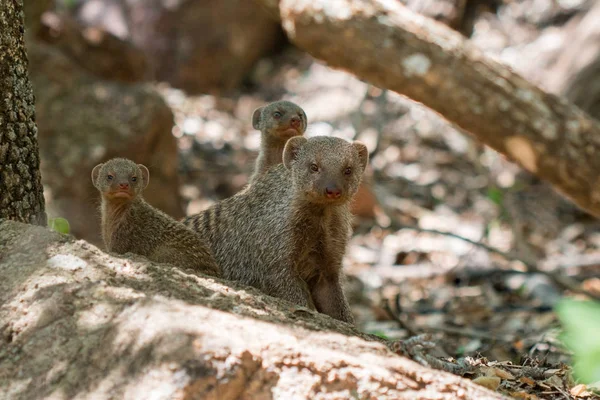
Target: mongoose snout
296, 123
332, 192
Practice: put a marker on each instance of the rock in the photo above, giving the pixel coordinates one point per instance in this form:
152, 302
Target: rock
198, 46
448, 12
576, 72
94, 49
83, 121
79, 323
363, 205
33, 13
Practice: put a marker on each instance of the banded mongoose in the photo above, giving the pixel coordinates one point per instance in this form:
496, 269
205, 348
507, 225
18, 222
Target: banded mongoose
129, 224
288, 231
277, 122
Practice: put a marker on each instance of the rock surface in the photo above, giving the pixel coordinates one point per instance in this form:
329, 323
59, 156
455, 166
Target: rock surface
83, 121
575, 74
198, 46
80, 323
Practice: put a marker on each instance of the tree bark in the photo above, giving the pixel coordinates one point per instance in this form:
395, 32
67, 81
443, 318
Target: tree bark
21, 191
79, 323
384, 43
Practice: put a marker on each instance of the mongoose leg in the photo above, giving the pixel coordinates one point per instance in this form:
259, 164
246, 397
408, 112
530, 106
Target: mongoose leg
329, 298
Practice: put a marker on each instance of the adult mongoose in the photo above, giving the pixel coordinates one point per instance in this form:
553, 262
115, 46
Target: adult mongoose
288, 230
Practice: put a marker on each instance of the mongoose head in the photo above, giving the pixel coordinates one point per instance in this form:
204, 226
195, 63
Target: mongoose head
120, 179
325, 170
280, 120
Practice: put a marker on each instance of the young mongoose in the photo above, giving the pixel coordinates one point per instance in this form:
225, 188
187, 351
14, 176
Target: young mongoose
277, 122
286, 234
129, 224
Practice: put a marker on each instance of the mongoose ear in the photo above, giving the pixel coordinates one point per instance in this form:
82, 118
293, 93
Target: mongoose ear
256, 118
290, 152
305, 120
145, 175
95, 173
363, 153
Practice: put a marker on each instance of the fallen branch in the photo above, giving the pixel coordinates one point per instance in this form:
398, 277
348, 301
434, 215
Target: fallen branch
389, 46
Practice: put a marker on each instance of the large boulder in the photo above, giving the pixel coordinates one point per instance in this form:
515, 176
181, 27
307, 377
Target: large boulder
34, 9
94, 49
79, 323
199, 46
576, 74
83, 121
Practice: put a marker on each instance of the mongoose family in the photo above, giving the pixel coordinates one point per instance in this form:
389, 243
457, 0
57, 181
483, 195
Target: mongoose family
277, 122
129, 224
287, 232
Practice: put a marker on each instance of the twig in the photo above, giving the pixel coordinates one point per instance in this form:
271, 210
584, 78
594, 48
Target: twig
446, 329
507, 256
416, 348
559, 279
403, 324
471, 333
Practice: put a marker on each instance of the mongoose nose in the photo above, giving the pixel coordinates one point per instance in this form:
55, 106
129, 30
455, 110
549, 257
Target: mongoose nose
123, 185
295, 122
333, 192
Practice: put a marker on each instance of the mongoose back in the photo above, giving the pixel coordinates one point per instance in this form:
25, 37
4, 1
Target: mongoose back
277, 122
288, 231
129, 224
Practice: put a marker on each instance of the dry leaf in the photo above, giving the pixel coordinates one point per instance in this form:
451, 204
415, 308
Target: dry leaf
527, 381
524, 396
490, 382
580, 391
503, 374
555, 381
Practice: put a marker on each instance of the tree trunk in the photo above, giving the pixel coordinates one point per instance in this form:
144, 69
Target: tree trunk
21, 191
389, 46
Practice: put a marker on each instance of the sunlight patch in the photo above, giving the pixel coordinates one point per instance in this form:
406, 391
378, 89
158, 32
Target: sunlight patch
66, 261
521, 150
416, 64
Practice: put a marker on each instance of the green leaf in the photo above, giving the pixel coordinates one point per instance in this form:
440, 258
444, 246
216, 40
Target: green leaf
581, 323
60, 225
381, 334
70, 4
495, 195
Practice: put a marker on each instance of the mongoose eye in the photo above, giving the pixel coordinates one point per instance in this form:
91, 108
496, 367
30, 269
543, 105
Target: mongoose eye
348, 171
110, 177
314, 167
133, 179
277, 114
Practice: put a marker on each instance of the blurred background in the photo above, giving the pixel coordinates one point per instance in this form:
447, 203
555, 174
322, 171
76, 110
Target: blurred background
172, 84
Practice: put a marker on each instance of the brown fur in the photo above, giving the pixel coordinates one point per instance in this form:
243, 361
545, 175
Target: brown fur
129, 224
277, 122
283, 234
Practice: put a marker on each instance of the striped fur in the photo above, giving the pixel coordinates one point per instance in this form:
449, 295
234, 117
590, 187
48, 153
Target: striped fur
129, 224
281, 234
